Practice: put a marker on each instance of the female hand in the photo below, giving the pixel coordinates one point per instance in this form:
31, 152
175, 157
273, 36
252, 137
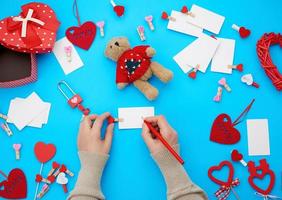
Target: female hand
89, 137
168, 133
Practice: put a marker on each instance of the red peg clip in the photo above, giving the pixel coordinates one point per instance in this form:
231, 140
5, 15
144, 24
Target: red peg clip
185, 10
236, 156
237, 67
248, 79
244, 32
193, 73
75, 100
165, 16
118, 9
39, 178
64, 169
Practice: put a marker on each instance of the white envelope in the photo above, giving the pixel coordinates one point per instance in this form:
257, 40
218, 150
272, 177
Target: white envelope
206, 19
223, 56
199, 52
181, 25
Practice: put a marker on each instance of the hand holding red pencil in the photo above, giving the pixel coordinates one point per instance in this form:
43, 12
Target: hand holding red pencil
158, 135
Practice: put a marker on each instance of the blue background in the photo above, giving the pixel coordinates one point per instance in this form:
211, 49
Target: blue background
186, 103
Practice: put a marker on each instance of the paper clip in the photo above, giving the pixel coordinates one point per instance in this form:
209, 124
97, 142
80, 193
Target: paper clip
6, 128
75, 100
141, 33
68, 50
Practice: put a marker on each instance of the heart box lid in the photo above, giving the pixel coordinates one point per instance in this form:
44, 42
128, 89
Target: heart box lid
16, 68
32, 31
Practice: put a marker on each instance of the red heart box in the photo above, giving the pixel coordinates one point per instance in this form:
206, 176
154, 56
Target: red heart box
16, 68
40, 30
223, 130
15, 187
82, 36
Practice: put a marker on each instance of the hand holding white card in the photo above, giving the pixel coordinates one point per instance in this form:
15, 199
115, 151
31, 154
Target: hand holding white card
206, 19
132, 118
69, 62
181, 25
223, 56
199, 52
258, 137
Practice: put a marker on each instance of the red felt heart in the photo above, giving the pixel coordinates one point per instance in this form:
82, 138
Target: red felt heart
44, 152
223, 130
55, 165
192, 74
225, 163
244, 32
63, 168
82, 36
184, 9
240, 67
119, 10
164, 15
15, 187
236, 156
51, 178
38, 178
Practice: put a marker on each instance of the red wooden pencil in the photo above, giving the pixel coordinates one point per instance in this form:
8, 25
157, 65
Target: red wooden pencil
165, 143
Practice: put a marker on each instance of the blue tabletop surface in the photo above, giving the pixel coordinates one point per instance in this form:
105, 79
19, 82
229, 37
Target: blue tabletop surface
186, 103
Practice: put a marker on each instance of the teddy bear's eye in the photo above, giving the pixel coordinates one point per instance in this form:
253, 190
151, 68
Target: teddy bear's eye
117, 44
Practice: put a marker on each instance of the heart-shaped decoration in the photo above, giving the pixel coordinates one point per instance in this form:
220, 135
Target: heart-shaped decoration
51, 178
164, 15
38, 37
44, 152
192, 74
223, 131
229, 180
38, 178
236, 156
184, 9
244, 32
82, 36
55, 165
62, 179
119, 10
15, 187
248, 79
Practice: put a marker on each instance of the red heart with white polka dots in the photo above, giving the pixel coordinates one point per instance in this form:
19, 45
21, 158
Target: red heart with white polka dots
32, 31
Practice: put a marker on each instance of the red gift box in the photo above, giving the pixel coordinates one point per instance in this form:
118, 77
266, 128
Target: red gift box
33, 31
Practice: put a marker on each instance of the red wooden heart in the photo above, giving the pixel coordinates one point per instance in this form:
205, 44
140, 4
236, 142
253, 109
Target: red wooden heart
244, 32
223, 131
15, 187
55, 165
192, 74
225, 163
164, 15
184, 9
44, 152
236, 156
119, 10
240, 67
82, 36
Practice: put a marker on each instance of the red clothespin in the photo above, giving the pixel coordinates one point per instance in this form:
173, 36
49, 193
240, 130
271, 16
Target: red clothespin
223, 82
165, 16
236, 156
118, 9
6, 128
52, 178
185, 10
248, 79
193, 73
218, 95
75, 100
55, 166
244, 32
44, 190
237, 67
39, 179
114, 120
63, 180
64, 169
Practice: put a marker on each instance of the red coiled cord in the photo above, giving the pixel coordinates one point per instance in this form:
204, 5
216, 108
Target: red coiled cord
270, 69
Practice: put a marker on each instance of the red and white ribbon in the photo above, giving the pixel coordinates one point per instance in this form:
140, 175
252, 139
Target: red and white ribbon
268, 196
223, 192
25, 21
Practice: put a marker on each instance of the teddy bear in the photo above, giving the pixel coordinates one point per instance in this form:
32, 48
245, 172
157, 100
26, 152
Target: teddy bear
134, 65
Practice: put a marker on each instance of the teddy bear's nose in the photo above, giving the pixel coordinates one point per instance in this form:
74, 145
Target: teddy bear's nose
117, 44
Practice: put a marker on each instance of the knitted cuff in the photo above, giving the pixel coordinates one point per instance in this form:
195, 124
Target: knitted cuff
88, 182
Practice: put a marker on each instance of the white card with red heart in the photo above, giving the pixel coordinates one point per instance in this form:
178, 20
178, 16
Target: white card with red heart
258, 137
206, 19
132, 118
67, 56
223, 56
181, 25
198, 53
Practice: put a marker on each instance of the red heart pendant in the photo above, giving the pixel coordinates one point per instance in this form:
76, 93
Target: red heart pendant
44, 152
244, 32
260, 172
225, 163
119, 10
15, 187
82, 36
223, 131
236, 156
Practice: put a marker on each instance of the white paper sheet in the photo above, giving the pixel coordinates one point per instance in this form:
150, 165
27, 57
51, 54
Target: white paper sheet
61, 56
223, 56
132, 117
199, 52
181, 25
258, 137
206, 19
